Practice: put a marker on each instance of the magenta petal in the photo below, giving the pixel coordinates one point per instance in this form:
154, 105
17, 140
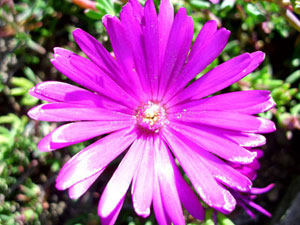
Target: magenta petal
248, 102
206, 32
134, 33
97, 53
165, 21
167, 184
186, 194
258, 208
216, 79
204, 183
54, 91
123, 52
73, 133
137, 9
257, 191
178, 46
87, 74
142, 185
221, 76
112, 217
233, 70
117, 186
81, 187
218, 168
106, 85
151, 43
214, 142
227, 120
63, 65
207, 54
59, 112
94, 158
159, 209
246, 139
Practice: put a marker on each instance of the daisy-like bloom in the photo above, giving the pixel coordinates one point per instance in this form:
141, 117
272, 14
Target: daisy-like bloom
142, 102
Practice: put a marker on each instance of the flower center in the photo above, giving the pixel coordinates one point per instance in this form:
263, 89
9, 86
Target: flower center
151, 116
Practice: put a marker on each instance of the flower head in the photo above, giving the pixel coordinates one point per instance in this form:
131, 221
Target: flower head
142, 101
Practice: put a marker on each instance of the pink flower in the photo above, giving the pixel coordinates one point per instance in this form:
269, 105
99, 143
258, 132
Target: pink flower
214, 1
142, 102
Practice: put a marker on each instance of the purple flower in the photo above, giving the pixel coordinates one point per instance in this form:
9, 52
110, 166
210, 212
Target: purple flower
142, 101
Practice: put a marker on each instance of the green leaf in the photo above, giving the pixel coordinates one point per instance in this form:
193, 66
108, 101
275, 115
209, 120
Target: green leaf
293, 77
21, 82
30, 74
93, 14
223, 220
18, 91
200, 4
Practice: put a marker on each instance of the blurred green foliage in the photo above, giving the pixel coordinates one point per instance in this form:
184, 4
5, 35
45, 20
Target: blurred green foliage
29, 29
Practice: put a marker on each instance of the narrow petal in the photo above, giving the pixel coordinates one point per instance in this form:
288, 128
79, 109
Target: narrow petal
118, 185
165, 21
59, 112
212, 82
215, 142
123, 52
134, 33
106, 85
178, 46
206, 32
218, 78
187, 196
204, 183
257, 191
218, 168
96, 52
259, 208
137, 8
159, 209
54, 91
112, 217
61, 62
246, 139
167, 184
241, 138
94, 158
207, 54
74, 133
247, 102
81, 187
142, 185
227, 120
87, 74
151, 43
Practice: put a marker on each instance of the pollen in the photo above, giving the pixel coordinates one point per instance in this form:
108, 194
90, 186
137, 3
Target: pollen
151, 117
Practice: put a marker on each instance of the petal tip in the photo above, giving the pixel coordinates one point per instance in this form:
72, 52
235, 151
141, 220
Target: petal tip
34, 112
